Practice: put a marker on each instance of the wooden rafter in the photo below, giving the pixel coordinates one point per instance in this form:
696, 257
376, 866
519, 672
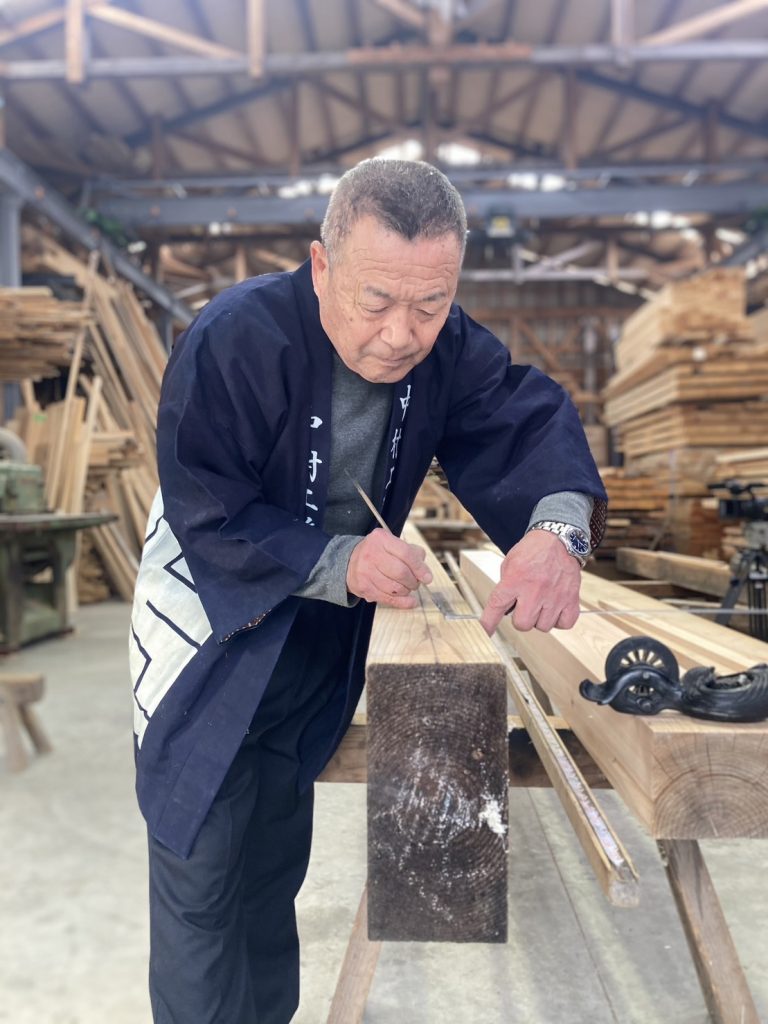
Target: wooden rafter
404, 12
701, 24
256, 34
31, 26
622, 22
151, 29
74, 36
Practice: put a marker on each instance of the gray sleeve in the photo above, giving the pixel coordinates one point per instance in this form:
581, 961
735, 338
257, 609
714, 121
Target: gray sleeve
328, 579
564, 507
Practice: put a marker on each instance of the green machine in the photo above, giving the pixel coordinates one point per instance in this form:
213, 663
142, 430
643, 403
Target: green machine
36, 549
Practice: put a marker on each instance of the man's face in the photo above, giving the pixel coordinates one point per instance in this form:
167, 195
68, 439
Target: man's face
385, 299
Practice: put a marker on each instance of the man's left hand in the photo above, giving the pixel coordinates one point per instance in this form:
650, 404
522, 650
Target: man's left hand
539, 583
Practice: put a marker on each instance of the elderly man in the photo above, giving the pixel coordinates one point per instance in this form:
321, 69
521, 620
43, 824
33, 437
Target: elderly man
262, 566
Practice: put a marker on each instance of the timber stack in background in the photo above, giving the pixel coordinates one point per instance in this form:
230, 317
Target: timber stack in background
90, 373
687, 397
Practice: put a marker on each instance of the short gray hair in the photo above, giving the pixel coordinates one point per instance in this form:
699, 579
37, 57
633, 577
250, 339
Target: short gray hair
409, 197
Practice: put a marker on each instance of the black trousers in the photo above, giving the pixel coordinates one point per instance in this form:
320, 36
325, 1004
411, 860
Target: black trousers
224, 946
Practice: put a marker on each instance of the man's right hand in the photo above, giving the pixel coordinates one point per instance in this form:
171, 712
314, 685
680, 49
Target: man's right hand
387, 570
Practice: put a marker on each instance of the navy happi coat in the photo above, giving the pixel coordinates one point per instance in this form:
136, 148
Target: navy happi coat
244, 431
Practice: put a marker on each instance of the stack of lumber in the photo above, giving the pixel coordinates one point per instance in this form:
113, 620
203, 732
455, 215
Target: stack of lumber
37, 332
637, 507
691, 383
749, 466
440, 516
699, 309
758, 321
97, 446
684, 778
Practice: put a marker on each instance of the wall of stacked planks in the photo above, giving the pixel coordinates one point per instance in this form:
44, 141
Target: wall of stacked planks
97, 444
687, 396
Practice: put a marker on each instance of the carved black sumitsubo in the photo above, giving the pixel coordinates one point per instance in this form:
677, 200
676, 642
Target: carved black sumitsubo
643, 678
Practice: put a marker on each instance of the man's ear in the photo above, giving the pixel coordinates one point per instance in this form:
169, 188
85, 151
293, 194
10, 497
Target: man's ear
320, 268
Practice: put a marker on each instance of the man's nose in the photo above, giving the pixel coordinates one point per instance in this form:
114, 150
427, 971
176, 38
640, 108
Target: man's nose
397, 329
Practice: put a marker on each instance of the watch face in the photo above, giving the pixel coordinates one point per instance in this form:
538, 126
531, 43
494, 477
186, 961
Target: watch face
578, 542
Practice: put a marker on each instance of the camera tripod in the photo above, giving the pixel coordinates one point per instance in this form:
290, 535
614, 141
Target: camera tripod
750, 570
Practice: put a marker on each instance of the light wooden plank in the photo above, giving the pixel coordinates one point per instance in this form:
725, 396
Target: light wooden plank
683, 778
704, 23
74, 41
357, 970
256, 29
165, 33
714, 955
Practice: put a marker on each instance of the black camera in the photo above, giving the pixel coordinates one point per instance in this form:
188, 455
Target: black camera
743, 503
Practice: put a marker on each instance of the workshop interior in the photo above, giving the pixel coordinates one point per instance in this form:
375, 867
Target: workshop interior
538, 827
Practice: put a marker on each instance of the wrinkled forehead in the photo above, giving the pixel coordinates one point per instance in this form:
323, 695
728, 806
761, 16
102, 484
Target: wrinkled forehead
382, 264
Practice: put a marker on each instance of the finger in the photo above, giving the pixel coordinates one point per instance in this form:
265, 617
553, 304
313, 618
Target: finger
394, 601
416, 563
525, 616
547, 619
500, 603
568, 617
392, 572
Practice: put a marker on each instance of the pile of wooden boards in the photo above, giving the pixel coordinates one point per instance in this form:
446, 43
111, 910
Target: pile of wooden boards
637, 511
445, 523
37, 332
691, 383
97, 445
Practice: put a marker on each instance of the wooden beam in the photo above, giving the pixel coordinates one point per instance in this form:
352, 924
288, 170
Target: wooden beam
622, 22
74, 36
684, 778
404, 12
357, 970
163, 33
437, 776
31, 26
701, 24
350, 762
256, 33
702, 574
715, 957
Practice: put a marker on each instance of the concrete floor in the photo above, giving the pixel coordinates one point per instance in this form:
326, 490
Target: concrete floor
73, 940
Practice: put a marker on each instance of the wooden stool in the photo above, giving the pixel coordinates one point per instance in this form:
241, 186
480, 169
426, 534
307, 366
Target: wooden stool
17, 692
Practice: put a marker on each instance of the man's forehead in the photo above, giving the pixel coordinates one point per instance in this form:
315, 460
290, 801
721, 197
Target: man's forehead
382, 292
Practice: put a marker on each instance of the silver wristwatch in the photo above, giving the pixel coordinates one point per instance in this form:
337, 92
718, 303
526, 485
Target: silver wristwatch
575, 540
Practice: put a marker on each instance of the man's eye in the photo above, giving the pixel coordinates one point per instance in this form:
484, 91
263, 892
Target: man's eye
369, 309
427, 314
